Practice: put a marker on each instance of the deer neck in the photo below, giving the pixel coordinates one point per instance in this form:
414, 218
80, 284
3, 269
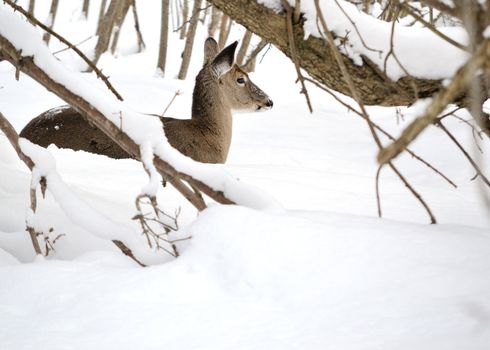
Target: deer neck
211, 109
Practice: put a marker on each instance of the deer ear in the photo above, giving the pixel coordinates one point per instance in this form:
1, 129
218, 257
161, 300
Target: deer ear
224, 61
211, 49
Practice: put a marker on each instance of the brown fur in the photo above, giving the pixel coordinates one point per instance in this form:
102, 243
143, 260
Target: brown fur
205, 138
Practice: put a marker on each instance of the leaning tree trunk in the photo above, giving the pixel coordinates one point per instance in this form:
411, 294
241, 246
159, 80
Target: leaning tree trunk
189, 42
317, 59
162, 54
52, 16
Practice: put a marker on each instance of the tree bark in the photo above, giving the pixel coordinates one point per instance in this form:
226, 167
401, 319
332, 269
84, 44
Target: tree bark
118, 23
32, 4
101, 15
185, 15
223, 30
85, 7
317, 59
243, 47
52, 16
141, 42
105, 29
189, 42
162, 53
213, 24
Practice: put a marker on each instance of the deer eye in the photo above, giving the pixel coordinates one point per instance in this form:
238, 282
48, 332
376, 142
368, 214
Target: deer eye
240, 81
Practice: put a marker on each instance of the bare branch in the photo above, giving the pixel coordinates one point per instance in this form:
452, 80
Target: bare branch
354, 93
441, 100
294, 56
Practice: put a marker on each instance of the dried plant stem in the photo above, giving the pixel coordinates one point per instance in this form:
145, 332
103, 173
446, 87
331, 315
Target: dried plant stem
378, 198
177, 93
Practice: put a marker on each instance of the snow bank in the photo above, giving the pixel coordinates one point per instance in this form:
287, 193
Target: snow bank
422, 53
255, 280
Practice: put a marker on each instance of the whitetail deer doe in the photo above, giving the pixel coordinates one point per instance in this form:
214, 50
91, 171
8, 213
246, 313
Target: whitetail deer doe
221, 86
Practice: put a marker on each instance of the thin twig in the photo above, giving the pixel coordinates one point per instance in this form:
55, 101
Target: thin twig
294, 56
440, 101
77, 44
355, 95
260, 46
432, 28
177, 93
378, 198
465, 153
356, 29
384, 132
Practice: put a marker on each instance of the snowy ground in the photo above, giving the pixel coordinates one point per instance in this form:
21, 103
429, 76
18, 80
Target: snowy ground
323, 273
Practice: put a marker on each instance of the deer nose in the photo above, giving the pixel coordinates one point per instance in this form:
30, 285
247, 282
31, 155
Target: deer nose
269, 103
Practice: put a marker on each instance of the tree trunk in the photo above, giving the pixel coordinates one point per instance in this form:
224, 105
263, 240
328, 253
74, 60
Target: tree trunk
118, 22
244, 47
189, 42
101, 15
317, 59
213, 24
85, 6
162, 54
32, 4
52, 16
141, 42
105, 30
223, 30
185, 15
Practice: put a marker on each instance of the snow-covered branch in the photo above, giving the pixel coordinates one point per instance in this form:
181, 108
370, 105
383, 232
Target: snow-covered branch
24, 48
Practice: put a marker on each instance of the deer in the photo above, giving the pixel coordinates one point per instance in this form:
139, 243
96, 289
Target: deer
221, 88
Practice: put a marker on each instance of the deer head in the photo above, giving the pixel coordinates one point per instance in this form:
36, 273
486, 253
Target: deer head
240, 93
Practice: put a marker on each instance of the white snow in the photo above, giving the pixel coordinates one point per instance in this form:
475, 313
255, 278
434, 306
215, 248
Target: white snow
324, 272
422, 53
